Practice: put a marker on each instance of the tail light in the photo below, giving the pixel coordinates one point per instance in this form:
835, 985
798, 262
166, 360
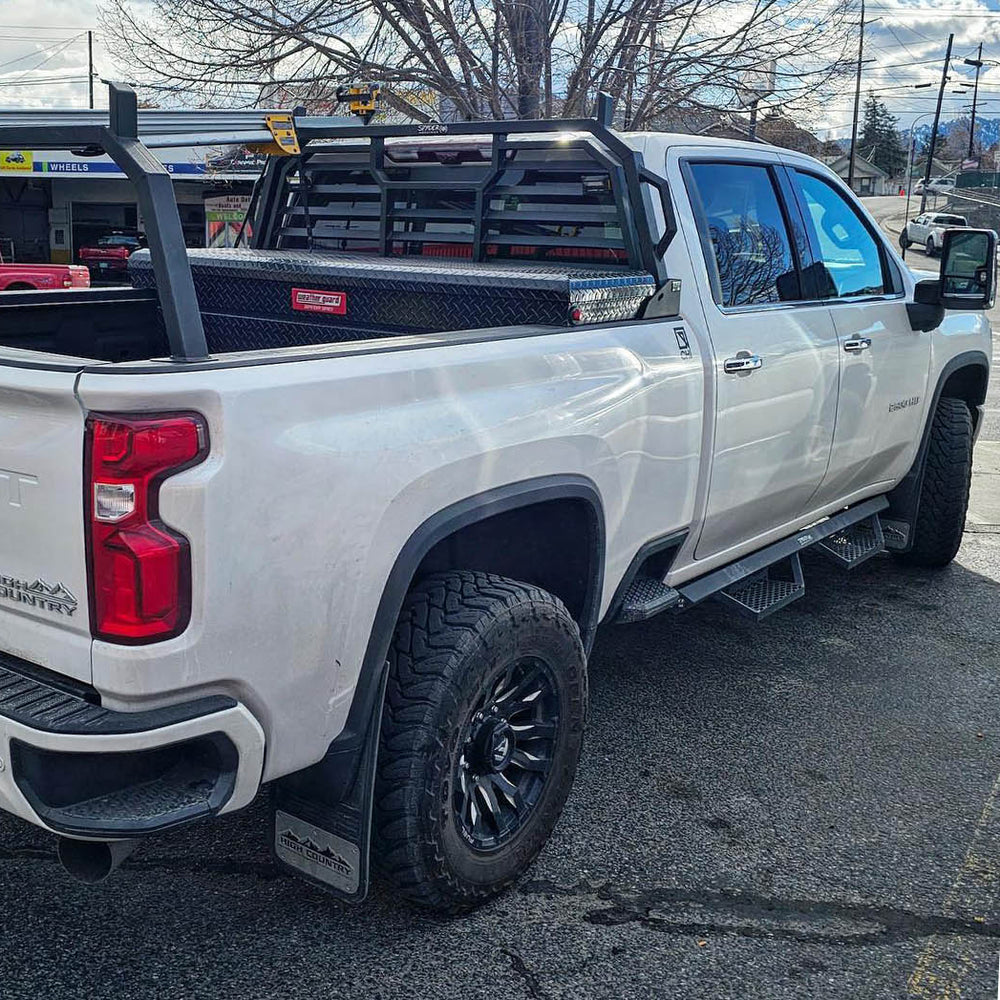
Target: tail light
140, 569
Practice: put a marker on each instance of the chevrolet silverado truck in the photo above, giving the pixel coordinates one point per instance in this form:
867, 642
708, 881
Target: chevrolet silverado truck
336, 515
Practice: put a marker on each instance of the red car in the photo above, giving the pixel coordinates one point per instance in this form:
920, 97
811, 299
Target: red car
108, 258
20, 277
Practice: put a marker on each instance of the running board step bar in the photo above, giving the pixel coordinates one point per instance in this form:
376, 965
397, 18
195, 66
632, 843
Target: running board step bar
765, 592
646, 597
752, 565
855, 544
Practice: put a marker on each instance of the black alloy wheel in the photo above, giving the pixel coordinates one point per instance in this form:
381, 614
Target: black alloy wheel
507, 754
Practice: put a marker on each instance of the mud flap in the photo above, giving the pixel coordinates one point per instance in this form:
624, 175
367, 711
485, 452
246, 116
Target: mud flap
321, 820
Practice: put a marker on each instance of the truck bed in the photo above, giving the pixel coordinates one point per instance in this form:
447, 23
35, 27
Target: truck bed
100, 324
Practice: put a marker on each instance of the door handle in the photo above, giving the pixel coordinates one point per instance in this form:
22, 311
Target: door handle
743, 362
858, 344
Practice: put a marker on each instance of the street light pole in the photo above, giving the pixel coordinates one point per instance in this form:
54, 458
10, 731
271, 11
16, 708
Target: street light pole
857, 100
978, 63
90, 66
909, 172
937, 120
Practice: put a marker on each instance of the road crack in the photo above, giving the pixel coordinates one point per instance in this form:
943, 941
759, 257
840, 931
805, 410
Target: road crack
521, 968
705, 912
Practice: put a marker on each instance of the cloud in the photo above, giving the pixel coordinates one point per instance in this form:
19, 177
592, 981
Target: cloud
907, 42
43, 54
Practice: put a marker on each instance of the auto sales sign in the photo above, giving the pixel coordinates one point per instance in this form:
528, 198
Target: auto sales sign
18, 161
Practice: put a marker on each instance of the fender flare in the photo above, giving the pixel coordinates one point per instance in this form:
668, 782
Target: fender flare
342, 758
904, 498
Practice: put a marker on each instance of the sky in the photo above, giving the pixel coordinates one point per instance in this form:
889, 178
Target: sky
907, 40
43, 58
43, 53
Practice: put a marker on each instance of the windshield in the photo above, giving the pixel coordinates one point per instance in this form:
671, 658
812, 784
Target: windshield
118, 241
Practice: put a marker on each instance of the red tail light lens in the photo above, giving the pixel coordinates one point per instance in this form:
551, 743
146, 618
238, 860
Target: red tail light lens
140, 569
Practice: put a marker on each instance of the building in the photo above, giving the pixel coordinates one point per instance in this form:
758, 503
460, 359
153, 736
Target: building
54, 202
869, 178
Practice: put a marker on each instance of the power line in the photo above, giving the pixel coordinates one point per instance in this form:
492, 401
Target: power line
49, 58
940, 13
64, 42
42, 27
918, 62
52, 81
33, 38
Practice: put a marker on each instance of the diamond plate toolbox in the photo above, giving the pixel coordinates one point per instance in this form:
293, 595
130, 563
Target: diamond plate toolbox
248, 297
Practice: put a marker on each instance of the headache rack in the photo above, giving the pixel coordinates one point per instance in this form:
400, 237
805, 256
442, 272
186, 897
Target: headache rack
569, 189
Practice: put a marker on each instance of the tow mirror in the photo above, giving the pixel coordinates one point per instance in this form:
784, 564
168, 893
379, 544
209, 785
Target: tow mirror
968, 269
968, 278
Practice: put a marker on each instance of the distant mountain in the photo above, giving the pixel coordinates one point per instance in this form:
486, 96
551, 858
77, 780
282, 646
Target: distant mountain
987, 131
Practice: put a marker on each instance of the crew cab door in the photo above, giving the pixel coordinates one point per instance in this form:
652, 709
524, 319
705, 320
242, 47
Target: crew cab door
884, 362
918, 228
775, 353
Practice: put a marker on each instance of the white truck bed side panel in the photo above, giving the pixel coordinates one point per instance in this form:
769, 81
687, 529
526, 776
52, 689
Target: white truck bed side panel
321, 470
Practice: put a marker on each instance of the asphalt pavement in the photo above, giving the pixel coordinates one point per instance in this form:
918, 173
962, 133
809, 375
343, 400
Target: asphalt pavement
802, 808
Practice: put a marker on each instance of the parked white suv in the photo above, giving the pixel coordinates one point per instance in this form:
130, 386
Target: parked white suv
340, 513
926, 230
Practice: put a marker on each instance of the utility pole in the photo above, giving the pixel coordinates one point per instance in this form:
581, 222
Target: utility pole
934, 127
978, 63
90, 66
857, 100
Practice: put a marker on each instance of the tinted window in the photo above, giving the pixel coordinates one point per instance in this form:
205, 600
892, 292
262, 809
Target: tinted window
852, 261
747, 230
951, 220
118, 241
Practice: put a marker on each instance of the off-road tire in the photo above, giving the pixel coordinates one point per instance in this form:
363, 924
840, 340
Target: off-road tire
944, 490
455, 632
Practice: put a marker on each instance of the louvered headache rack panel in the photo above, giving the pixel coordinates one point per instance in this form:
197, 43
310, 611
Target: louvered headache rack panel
565, 200
580, 193
576, 167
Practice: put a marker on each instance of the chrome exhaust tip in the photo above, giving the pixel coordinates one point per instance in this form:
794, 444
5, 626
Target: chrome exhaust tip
92, 861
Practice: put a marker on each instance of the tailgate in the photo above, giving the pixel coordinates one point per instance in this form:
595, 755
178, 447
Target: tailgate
43, 564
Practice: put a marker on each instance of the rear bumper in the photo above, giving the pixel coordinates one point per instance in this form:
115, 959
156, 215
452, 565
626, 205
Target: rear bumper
106, 270
78, 769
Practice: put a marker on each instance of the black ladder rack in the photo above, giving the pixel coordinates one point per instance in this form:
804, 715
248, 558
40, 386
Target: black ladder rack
127, 135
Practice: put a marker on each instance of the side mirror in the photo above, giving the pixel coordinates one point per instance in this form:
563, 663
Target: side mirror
968, 269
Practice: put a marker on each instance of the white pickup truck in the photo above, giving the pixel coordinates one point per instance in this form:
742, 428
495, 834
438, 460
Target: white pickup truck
339, 513
929, 229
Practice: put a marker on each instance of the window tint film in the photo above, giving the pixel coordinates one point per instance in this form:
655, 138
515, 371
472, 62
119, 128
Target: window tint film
748, 234
852, 262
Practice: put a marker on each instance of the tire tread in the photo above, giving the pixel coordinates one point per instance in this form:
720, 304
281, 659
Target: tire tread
444, 619
944, 491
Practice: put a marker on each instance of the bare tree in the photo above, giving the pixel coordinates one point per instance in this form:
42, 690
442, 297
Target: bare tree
486, 58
